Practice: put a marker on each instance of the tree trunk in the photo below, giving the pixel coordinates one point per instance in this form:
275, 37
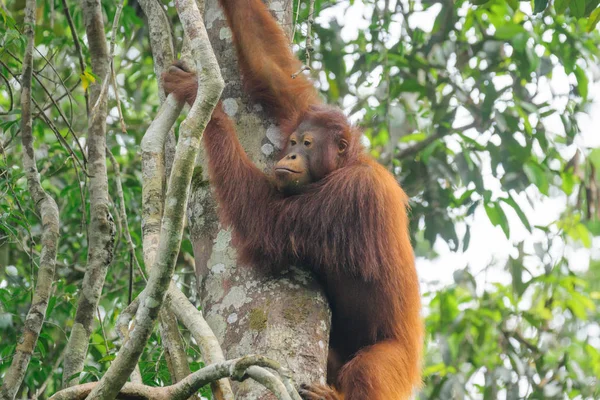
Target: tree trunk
285, 317
101, 231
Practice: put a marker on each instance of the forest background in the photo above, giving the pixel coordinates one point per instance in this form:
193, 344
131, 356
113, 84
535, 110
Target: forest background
487, 114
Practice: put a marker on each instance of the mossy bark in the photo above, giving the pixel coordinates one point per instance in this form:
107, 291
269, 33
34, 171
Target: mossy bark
284, 317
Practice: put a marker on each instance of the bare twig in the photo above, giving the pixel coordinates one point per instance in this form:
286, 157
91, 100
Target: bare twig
62, 83
309, 47
405, 16
102, 329
77, 44
309, 24
123, 212
48, 122
68, 92
113, 41
295, 21
38, 75
64, 118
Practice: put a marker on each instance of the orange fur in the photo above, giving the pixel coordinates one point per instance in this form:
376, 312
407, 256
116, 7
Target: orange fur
350, 228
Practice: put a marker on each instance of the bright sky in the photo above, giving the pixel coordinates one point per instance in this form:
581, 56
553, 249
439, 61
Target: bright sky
488, 244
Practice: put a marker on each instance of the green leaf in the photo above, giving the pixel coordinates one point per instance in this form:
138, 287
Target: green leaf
561, 6
519, 41
577, 309
417, 137
511, 202
497, 216
467, 238
41, 348
582, 81
506, 32
582, 233
593, 20
577, 8
412, 86
539, 6
51, 304
516, 271
594, 158
593, 227
106, 358
568, 182
537, 176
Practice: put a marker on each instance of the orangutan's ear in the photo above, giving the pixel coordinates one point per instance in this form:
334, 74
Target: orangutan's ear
342, 146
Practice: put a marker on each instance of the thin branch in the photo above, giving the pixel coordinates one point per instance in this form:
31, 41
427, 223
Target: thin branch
62, 82
295, 21
122, 209
519, 338
77, 44
102, 329
37, 76
112, 64
310, 22
49, 122
405, 16
64, 118
309, 47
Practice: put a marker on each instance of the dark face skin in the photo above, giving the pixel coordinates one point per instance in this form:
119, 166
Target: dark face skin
310, 154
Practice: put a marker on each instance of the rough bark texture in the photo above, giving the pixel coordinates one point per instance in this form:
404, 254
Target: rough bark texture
163, 54
253, 367
101, 230
151, 298
176, 198
46, 207
283, 317
154, 157
160, 159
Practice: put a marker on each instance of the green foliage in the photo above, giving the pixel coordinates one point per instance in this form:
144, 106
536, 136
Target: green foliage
462, 114
477, 81
585, 9
525, 340
456, 104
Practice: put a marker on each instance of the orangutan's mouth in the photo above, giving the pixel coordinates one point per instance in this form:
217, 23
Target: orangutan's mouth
283, 169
